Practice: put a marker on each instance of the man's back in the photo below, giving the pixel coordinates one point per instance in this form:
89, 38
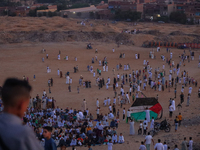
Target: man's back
21, 137
159, 146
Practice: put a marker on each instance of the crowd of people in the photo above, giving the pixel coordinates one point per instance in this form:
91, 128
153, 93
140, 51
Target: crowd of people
69, 127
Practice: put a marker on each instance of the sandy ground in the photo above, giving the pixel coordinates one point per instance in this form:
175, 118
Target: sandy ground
17, 60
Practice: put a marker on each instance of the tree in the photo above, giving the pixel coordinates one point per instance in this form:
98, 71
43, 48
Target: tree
179, 17
124, 15
32, 13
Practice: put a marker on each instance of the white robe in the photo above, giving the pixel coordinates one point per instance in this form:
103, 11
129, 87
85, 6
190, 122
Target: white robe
152, 124
136, 56
173, 104
132, 130
58, 72
147, 115
67, 80
104, 68
97, 103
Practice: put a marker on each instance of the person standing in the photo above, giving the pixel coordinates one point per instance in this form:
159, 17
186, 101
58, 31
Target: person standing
15, 95
58, 72
176, 121
132, 130
84, 105
184, 144
49, 142
188, 100
190, 144
180, 119
165, 146
128, 116
171, 109
148, 140
97, 102
152, 124
124, 112
110, 144
159, 145
147, 114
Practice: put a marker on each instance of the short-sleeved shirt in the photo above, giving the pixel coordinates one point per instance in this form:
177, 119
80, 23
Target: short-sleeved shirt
148, 139
180, 117
142, 147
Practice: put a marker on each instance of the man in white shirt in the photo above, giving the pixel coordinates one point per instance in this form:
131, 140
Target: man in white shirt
73, 142
97, 103
121, 139
190, 90
105, 102
110, 107
190, 144
165, 146
148, 140
110, 115
108, 100
114, 138
110, 144
171, 109
159, 145
142, 146
128, 115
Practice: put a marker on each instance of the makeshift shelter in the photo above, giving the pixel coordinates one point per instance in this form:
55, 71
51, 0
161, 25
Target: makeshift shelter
141, 104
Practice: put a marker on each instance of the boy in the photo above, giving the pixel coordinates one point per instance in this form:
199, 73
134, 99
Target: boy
124, 114
165, 146
142, 146
49, 142
140, 128
89, 147
145, 128
110, 144
15, 96
180, 119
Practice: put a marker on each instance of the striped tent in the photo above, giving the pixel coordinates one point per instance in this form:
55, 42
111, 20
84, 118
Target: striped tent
139, 106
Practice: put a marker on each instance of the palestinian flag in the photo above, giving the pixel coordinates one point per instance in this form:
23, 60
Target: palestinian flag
139, 106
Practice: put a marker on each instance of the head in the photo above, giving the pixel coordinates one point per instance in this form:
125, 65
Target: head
159, 140
47, 132
15, 96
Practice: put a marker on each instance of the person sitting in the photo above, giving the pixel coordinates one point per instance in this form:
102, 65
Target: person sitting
108, 137
105, 123
114, 131
86, 141
73, 142
114, 138
112, 123
68, 142
101, 139
121, 139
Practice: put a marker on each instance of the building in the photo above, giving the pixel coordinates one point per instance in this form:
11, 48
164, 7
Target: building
158, 9
80, 12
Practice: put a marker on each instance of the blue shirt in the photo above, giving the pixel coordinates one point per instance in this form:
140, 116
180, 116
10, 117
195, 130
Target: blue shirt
16, 136
50, 144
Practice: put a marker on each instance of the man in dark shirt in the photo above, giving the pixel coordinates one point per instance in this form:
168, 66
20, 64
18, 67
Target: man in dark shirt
49, 142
